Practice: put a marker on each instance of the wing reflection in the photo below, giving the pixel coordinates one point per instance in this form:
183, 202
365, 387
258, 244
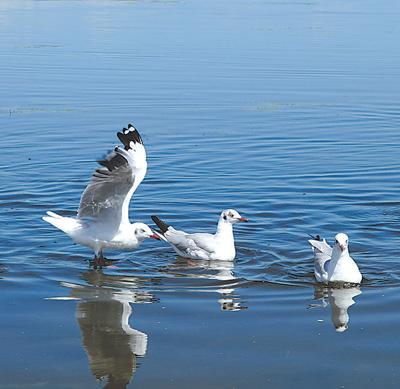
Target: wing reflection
221, 271
340, 299
103, 314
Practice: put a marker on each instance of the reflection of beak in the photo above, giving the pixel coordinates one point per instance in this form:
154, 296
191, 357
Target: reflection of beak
242, 219
154, 236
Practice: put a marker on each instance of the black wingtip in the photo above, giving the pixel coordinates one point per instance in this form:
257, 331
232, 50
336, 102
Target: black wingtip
112, 161
315, 237
128, 135
160, 224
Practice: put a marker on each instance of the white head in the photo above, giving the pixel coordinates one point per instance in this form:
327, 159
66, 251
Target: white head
232, 216
341, 241
143, 231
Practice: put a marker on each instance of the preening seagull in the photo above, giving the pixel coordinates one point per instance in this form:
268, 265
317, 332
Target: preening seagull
221, 245
334, 264
103, 215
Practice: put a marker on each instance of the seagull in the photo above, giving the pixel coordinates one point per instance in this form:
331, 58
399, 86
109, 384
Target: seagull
219, 246
103, 221
334, 264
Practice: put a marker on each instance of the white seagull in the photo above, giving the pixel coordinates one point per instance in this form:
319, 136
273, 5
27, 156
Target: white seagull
220, 246
103, 221
334, 264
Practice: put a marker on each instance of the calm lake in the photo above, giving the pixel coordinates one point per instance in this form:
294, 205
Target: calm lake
287, 111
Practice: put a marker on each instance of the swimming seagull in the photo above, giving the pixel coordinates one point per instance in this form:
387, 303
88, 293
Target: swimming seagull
103, 221
334, 264
220, 246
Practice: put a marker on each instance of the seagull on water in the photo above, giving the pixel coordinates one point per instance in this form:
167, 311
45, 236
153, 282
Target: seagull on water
220, 246
334, 264
103, 221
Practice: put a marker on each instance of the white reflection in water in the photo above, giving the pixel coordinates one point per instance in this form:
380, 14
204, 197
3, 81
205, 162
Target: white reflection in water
103, 315
340, 299
230, 302
218, 270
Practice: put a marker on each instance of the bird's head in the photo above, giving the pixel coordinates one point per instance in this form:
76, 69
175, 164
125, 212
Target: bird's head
232, 216
143, 231
342, 241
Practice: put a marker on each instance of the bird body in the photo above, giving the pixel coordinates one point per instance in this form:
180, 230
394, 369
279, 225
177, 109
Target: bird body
218, 246
102, 221
334, 264
88, 233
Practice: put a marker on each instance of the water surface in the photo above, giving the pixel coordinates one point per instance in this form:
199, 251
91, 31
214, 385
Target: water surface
285, 111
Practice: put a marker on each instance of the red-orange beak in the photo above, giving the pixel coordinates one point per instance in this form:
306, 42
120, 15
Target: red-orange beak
154, 236
242, 219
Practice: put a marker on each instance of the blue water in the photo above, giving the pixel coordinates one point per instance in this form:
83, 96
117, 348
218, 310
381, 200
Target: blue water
285, 111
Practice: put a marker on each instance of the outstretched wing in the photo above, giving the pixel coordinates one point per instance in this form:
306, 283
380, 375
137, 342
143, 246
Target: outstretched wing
107, 196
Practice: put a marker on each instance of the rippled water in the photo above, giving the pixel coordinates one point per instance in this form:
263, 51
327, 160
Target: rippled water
285, 111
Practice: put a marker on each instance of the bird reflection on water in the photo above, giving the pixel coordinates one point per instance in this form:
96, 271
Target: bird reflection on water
103, 314
221, 272
340, 299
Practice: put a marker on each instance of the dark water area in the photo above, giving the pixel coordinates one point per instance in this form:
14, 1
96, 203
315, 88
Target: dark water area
285, 111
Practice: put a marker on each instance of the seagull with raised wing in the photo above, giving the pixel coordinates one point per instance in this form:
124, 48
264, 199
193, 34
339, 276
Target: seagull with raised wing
334, 264
220, 246
103, 215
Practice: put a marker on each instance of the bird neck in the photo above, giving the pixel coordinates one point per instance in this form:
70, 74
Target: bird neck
224, 228
337, 256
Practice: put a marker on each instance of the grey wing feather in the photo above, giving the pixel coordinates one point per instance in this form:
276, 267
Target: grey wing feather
321, 247
322, 254
204, 241
108, 195
105, 195
321, 262
188, 243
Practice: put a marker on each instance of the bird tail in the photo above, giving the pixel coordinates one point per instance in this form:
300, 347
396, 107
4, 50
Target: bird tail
160, 224
66, 224
315, 237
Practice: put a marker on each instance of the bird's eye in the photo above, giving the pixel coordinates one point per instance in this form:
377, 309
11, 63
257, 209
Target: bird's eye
336, 241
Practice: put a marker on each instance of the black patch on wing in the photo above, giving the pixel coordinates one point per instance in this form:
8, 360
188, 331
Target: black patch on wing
315, 237
128, 135
160, 224
113, 160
